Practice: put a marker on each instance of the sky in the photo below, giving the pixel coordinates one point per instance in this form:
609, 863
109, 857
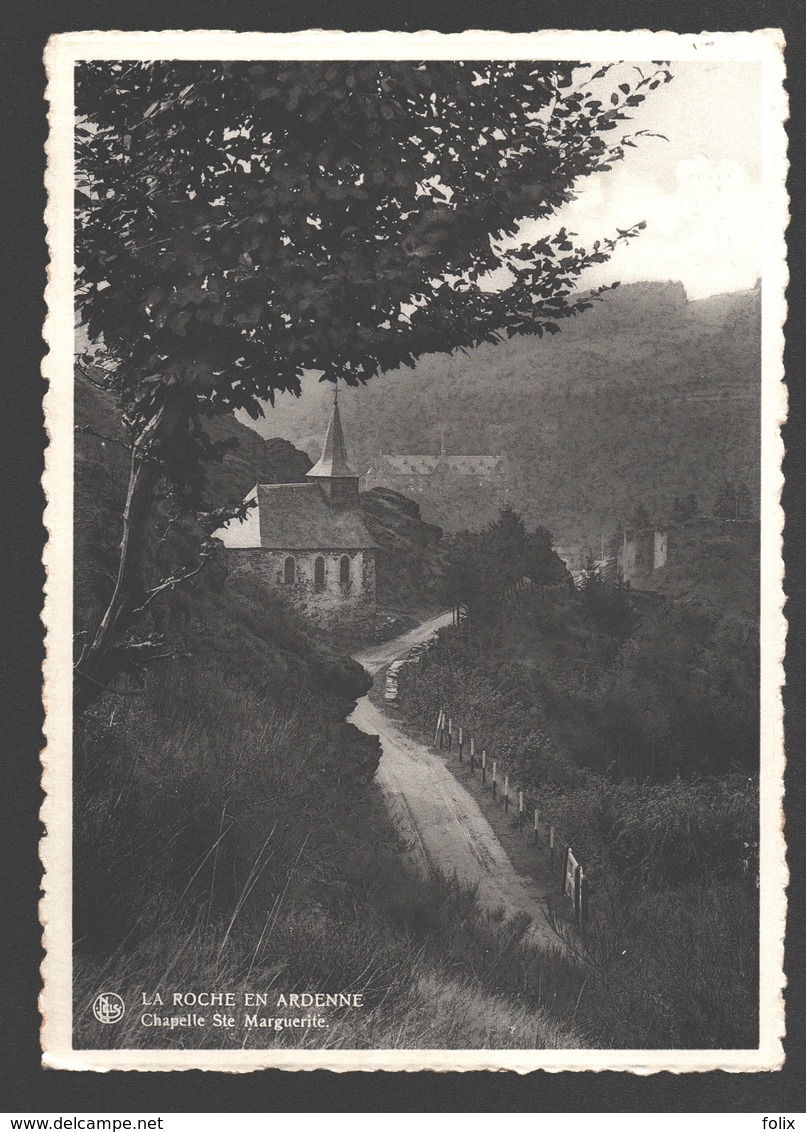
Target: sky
699, 192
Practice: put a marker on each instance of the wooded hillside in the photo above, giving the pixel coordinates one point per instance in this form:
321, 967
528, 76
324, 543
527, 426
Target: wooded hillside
644, 397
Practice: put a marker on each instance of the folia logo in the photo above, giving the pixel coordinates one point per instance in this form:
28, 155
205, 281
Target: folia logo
108, 1007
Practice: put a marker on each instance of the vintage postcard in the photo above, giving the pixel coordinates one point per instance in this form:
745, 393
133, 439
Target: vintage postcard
414, 578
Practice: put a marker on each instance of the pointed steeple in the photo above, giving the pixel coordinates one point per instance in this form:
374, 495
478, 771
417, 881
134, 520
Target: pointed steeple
332, 471
332, 464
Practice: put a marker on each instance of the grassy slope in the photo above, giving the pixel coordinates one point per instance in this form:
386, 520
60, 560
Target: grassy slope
223, 834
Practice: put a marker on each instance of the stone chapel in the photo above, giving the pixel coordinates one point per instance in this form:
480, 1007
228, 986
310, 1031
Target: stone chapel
309, 540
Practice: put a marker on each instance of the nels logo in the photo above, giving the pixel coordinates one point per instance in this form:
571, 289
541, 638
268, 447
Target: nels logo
108, 1007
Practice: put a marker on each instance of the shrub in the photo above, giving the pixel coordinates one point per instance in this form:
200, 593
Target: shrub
672, 968
663, 834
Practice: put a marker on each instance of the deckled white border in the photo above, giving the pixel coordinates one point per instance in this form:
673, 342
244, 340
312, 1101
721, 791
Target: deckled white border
63, 51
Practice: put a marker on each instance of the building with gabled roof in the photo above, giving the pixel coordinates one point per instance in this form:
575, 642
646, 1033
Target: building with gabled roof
309, 541
415, 472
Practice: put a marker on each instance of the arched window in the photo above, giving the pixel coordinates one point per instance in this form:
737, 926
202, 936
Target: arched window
290, 571
319, 571
344, 570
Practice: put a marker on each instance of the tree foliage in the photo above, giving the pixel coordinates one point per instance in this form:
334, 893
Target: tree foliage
734, 501
240, 223
640, 518
606, 602
486, 567
685, 509
243, 223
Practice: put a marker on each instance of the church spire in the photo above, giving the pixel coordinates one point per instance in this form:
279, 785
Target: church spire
332, 471
332, 464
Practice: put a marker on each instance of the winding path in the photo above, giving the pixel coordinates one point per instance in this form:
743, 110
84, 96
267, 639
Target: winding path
434, 811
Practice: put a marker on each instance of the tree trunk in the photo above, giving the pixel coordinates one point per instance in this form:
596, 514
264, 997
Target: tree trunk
99, 665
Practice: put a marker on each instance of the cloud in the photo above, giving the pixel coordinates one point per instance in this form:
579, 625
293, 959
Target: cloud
704, 230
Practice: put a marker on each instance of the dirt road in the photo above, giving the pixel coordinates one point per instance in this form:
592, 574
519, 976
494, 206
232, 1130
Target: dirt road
434, 811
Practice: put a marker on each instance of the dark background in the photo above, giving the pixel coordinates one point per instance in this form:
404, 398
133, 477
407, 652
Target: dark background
24, 1086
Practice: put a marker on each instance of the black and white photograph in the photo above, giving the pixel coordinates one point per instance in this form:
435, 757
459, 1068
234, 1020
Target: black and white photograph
414, 606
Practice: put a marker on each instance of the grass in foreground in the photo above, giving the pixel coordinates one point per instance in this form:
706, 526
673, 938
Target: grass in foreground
435, 972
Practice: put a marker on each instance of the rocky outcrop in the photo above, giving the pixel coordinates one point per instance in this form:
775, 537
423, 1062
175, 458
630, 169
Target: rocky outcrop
408, 559
350, 756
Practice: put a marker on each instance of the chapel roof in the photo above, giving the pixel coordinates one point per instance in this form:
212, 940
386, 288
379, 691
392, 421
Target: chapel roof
297, 516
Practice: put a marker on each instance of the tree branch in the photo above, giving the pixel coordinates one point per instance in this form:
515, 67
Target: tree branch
105, 687
128, 658
100, 436
140, 652
167, 531
86, 373
210, 521
174, 580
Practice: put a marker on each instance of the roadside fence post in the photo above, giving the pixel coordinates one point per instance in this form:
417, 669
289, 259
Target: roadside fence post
461, 741
438, 731
520, 807
564, 869
472, 756
484, 768
450, 734
495, 777
506, 793
578, 893
551, 845
536, 828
